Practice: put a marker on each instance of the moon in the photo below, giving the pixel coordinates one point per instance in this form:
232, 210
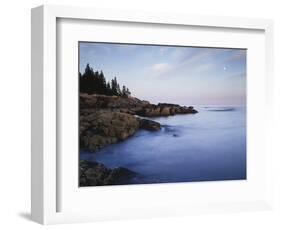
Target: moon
224, 68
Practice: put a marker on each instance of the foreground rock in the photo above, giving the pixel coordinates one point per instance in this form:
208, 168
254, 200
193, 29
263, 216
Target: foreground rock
102, 128
95, 174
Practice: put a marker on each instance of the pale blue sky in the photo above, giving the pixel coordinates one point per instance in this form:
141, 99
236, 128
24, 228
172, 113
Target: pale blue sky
184, 75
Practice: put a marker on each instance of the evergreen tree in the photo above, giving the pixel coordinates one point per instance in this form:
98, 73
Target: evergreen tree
114, 86
88, 77
119, 90
124, 90
128, 93
88, 70
108, 89
94, 82
101, 83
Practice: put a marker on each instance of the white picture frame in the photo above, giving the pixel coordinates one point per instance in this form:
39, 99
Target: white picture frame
45, 182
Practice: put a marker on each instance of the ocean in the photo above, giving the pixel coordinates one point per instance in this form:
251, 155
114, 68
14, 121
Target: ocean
207, 146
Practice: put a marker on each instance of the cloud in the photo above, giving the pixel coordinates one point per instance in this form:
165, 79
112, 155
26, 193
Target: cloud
197, 61
197, 56
185, 61
159, 68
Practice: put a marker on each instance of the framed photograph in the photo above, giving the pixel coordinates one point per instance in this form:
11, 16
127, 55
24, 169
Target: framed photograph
138, 114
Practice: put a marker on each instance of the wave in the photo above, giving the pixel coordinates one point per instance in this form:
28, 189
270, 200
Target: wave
219, 109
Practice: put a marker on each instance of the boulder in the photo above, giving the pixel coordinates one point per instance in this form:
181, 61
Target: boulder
102, 128
149, 125
165, 111
105, 127
96, 174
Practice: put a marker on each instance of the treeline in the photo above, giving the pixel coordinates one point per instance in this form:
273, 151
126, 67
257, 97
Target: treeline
94, 82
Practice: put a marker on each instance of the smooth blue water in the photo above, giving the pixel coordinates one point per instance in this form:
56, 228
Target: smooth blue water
209, 145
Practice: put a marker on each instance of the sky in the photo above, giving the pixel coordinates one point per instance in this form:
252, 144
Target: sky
172, 74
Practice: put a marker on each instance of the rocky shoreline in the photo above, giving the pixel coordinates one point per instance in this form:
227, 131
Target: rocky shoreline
106, 120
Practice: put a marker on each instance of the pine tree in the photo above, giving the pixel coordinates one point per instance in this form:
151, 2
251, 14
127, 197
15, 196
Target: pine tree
94, 82
119, 90
124, 91
114, 86
101, 83
88, 70
87, 79
108, 89
128, 93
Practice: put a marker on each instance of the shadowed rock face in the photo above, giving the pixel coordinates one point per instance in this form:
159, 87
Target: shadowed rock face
106, 127
149, 125
106, 120
96, 174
